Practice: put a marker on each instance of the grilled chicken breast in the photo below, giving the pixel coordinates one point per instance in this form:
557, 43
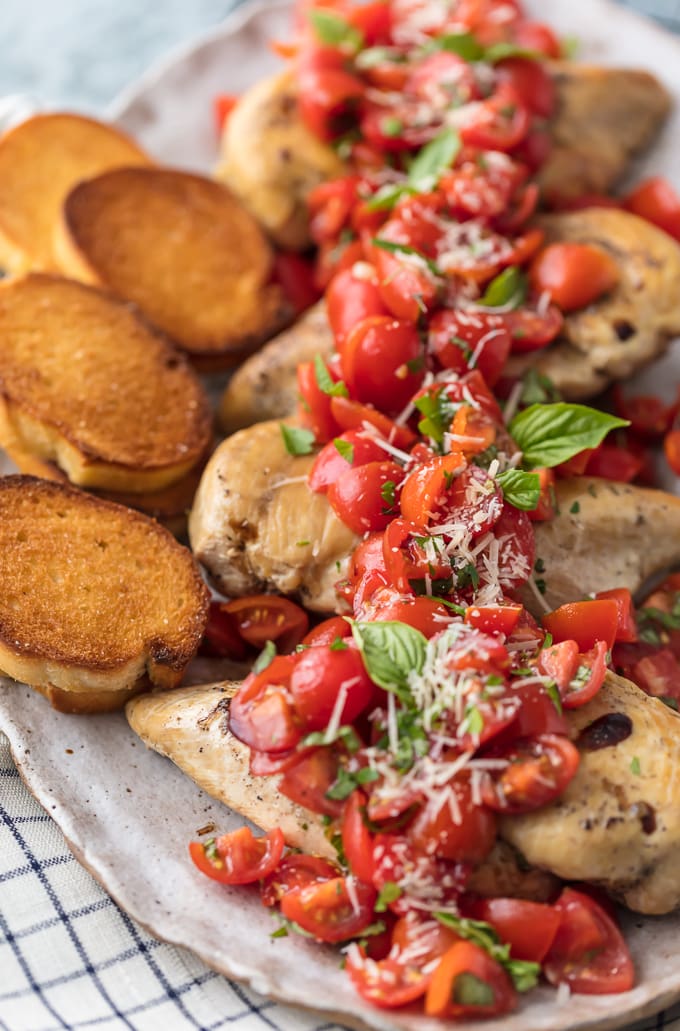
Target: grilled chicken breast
190, 727
618, 823
603, 118
605, 535
628, 327
256, 525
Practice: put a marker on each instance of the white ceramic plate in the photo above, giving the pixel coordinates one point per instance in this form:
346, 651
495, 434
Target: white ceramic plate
129, 813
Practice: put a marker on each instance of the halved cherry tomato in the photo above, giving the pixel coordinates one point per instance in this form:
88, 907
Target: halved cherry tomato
489, 654
238, 857
382, 362
468, 982
539, 770
460, 340
407, 284
425, 489
588, 953
308, 781
626, 629
321, 674
315, 406
518, 548
358, 497
428, 615
532, 83
293, 871
388, 983
472, 500
407, 556
534, 35
499, 123
260, 714
649, 417
351, 415
329, 911
266, 617
588, 678
352, 296
330, 630
585, 622
295, 275
349, 450
559, 662
671, 446
658, 674
574, 274
532, 330
223, 105
493, 619
221, 635
614, 463
528, 927
472, 430
453, 827
330, 206
326, 92
398, 861
657, 202
536, 714
357, 843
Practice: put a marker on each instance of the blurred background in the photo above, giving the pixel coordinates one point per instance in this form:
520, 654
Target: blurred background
82, 52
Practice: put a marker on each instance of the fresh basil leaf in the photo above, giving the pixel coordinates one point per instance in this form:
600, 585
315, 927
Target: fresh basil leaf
388, 493
570, 47
387, 196
345, 449
391, 652
389, 892
523, 973
373, 56
551, 434
334, 31
520, 489
501, 51
508, 288
298, 441
463, 44
433, 159
437, 411
265, 658
324, 380
409, 252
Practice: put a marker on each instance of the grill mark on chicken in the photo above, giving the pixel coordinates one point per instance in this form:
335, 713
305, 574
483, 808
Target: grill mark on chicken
605, 732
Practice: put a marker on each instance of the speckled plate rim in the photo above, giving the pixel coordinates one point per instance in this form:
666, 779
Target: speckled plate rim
23, 715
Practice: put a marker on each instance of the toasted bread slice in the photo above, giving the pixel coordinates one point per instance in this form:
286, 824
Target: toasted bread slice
40, 161
97, 600
181, 248
87, 384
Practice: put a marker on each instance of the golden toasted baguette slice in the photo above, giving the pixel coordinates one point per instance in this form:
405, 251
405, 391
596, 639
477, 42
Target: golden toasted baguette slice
628, 327
98, 601
272, 161
190, 727
40, 161
604, 117
605, 535
88, 385
265, 386
256, 525
614, 826
184, 250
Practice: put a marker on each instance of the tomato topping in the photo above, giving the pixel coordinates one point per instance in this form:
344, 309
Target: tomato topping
535, 35
351, 415
407, 284
260, 714
238, 857
266, 617
389, 983
499, 123
626, 629
546, 507
382, 362
539, 770
531, 82
294, 871
574, 274
350, 449
330, 910
425, 614
585, 622
658, 674
656, 201
321, 675
326, 93
296, 276
352, 297
315, 406
560, 662
671, 446
453, 827
493, 619
221, 635
223, 105
330, 630
357, 843
588, 678
536, 713
468, 982
614, 463
364, 498
308, 781
398, 861
461, 340
425, 489
528, 927
517, 548
532, 330
588, 953
649, 417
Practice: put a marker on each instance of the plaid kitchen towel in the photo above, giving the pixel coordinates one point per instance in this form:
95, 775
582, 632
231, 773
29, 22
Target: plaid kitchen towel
70, 958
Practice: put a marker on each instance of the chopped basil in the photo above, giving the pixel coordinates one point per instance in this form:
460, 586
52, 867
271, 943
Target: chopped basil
470, 990
389, 892
391, 126
437, 411
523, 973
373, 56
672, 703
551, 434
298, 441
281, 932
324, 380
345, 449
424, 172
463, 44
346, 734
539, 565
339, 644
388, 494
468, 577
554, 694
502, 51
575, 508
346, 781
473, 721
635, 766
538, 388
334, 31
541, 586
508, 288
402, 248
265, 658
391, 652
520, 489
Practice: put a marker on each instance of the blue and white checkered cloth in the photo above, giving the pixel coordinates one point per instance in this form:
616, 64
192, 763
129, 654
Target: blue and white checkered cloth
70, 958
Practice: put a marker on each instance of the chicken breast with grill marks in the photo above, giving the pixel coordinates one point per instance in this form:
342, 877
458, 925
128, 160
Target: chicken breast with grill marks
256, 525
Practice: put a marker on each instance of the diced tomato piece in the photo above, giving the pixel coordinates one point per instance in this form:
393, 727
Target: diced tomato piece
574, 274
538, 772
357, 842
260, 714
626, 629
308, 781
671, 446
221, 635
459, 341
585, 622
658, 674
560, 662
362, 497
656, 201
501, 122
321, 674
351, 297
614, 463
528, 927
315, 406
493, 619
534, 35
649, 417
588, 678
383, 363
349, 450
532, 83
468, 838
329, 910
238, 857
294, 871
588, 953
327, 632
223, 105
